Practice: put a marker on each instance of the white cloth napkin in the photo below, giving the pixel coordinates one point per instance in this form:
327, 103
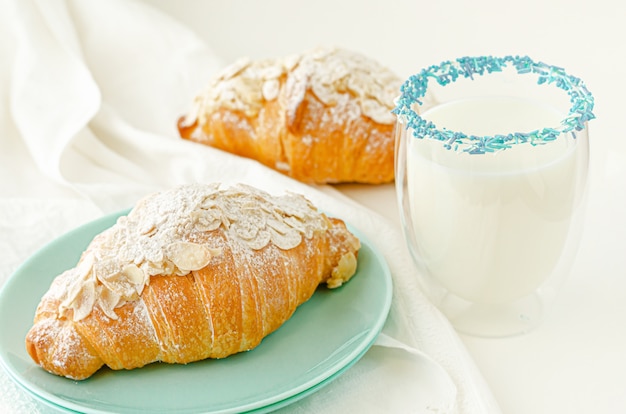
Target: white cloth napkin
92, 91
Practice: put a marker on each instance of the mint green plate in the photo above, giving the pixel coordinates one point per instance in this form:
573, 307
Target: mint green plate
322, 339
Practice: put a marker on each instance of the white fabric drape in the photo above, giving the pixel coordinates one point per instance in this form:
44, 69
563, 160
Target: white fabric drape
91, 92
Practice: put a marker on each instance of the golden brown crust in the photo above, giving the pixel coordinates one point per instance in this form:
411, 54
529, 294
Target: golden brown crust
326, 119
228, 306
345, 150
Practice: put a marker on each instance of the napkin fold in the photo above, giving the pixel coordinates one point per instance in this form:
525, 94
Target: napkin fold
93, 93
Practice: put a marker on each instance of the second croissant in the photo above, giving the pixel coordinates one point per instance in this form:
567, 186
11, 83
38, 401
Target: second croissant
322, 116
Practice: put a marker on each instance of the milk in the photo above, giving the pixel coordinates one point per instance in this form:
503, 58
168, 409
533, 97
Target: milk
491, 227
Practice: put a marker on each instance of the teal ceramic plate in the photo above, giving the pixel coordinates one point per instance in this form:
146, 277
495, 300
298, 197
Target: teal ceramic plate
323, 338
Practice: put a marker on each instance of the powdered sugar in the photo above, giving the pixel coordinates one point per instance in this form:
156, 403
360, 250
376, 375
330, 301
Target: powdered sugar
330, 74
158, 238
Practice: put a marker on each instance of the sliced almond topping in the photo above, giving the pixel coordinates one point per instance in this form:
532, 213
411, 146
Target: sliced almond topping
108, 300
153, 240
287, 240
189, 256
261, 240
84, 301
134, 274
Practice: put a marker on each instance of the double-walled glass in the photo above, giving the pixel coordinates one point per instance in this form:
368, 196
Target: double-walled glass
491, 170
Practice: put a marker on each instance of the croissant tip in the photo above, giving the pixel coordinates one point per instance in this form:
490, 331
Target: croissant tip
184, 128
32, 351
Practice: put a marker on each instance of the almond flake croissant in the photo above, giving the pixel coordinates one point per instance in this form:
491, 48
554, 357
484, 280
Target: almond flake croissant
322, 116
196, 272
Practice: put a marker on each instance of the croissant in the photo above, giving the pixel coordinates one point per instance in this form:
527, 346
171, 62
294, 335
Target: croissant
322, 116
195, 272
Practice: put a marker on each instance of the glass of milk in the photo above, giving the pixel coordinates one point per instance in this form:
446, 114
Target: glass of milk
491, 169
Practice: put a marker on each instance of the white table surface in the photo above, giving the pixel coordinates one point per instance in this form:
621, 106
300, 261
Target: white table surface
576, 360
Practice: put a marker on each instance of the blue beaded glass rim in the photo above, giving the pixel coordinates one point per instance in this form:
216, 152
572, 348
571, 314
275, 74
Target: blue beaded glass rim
468, 67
